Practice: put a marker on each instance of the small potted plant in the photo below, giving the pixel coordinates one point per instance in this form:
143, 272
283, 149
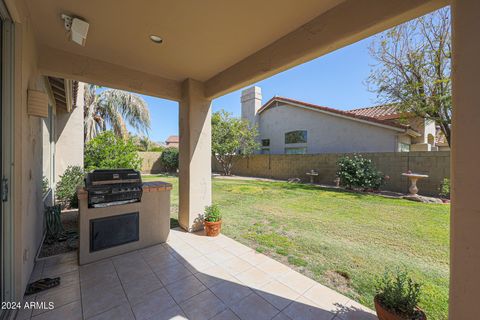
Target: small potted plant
212, 220
397, 297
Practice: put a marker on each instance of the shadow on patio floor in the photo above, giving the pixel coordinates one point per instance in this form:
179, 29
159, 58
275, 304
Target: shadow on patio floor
189, 277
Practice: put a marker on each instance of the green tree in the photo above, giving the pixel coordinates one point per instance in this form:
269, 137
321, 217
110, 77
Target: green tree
414, 66
230, 137
107, 151
169, 159
114, 108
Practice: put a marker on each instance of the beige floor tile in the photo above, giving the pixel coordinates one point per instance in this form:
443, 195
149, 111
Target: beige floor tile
172, 273
156, 250
108, 280
123, 312
281, 316
236, 265
126, 259
197, 264
213, 275
96, 270
254, 307
297, 281
254, 258
226, 315
254, 278
71, 311
102, 299
129, 272
203, 306
219, 256
274, 268
326, 298
237, 249
62, 258
58, 297
59, 269
137, 289
185, 288
278, 294
152, 304
159, 262
230, 292
172, 313
355, 311
186, 253
304, 309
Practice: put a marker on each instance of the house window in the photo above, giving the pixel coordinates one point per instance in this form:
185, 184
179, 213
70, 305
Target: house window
302, 150
403, 147
298, 136
265, 142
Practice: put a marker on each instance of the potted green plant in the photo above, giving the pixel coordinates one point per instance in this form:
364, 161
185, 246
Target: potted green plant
397, 297
212, 220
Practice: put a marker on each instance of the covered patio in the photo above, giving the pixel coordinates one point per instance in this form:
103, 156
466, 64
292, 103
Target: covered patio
209, 49
189, 277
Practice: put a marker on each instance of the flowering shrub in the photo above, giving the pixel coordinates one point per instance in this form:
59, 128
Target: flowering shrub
358, 172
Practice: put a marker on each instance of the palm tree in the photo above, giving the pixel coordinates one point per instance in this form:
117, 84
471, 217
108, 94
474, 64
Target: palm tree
115, 108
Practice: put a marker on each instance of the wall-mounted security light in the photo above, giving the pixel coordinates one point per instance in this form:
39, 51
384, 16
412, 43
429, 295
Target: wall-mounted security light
77, 27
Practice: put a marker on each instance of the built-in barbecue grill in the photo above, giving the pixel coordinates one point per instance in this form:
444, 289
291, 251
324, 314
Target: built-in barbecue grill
113, 187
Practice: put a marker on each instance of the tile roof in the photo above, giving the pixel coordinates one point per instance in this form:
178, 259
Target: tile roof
173, 139
349, 114
385, 112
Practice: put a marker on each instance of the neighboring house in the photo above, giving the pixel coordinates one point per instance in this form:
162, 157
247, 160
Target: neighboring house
172, 141
62, 130
431, 138
288, 126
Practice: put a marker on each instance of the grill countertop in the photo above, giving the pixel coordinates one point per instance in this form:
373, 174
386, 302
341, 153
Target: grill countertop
153, 186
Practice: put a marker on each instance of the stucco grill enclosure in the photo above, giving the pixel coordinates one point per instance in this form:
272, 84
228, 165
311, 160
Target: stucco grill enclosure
135, 225
209, 49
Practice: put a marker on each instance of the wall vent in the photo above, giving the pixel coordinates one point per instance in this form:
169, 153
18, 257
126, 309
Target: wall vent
37, 104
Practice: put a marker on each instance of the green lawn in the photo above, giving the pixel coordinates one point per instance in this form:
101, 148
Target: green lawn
340, 239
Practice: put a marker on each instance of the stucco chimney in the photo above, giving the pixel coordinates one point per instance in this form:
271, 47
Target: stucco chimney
251, 102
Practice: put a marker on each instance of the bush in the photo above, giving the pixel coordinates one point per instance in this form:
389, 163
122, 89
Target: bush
66, 189
445, 188
398, 293
169, 159
358, 172
212, 213
157, 149
106, 151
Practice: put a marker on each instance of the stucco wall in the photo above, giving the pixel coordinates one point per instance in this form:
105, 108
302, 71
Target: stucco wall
393, 164
326, 133
28, 160
151, 162
69, 134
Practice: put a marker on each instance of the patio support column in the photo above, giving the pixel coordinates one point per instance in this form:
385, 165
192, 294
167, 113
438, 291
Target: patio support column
195, 167
465, 218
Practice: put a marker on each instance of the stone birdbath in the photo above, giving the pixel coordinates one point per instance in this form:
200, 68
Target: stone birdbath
312, 175
414, 177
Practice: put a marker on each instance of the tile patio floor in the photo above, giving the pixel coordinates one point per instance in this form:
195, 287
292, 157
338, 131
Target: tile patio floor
189, 277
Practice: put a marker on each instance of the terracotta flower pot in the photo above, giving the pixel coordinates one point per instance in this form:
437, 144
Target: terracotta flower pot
384, 314
212, 229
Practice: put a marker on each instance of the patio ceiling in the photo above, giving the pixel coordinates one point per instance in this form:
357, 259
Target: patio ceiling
226, 44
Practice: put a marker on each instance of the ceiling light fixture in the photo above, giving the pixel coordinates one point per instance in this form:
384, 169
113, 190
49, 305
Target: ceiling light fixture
156, 39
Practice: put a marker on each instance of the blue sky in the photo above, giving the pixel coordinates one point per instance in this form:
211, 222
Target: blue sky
336, 80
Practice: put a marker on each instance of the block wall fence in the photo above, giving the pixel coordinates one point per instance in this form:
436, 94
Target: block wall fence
283, 167
151, 162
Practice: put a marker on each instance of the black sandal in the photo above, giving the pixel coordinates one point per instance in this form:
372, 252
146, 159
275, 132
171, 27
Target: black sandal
41, 285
